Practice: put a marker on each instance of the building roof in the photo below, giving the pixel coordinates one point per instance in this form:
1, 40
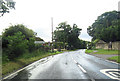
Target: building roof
39, 42
101, 42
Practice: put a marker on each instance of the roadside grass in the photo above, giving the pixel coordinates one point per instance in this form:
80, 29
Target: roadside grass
24, 60
115, 58
102, 51
89, 51
106, 52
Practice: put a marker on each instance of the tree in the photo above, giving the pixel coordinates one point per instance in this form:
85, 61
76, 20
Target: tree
19, 27
12, 30
73, 36
17, 45
105, 27
6, 5
67, 34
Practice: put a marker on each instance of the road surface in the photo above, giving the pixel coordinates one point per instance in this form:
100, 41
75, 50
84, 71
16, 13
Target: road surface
74, 65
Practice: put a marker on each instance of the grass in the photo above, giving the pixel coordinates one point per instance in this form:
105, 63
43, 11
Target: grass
24, 60
102, 51
89, 51
115, 58
106, 52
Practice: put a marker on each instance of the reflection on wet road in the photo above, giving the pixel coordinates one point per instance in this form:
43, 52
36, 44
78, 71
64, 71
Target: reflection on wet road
68, 65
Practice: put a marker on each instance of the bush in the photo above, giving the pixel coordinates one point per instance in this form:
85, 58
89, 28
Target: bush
39, 47
28, 35
59, 45
31, 44
16, 40
4, 58
17, 45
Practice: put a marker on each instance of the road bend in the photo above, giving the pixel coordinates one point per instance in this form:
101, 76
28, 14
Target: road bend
69, 65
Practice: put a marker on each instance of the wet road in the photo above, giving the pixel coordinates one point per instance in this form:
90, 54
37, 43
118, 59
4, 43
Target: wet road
69, 65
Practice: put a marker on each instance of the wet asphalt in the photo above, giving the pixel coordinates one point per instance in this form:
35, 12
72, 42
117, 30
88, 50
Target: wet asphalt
67, 65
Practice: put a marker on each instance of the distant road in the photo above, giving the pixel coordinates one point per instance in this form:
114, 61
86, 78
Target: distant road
70, 65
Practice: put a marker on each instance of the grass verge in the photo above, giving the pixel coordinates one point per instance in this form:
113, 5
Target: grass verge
115, 58
24, 60
106, 52
102, 51
89, 51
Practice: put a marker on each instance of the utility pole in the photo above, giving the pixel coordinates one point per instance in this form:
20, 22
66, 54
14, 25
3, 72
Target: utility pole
52, 33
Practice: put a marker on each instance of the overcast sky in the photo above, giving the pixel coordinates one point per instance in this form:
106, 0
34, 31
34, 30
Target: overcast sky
36, 14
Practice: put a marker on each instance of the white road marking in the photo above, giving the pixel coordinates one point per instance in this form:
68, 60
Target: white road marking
79, 65
111, 73
112, 62
72, 58
75, 61
15, 73
82, 69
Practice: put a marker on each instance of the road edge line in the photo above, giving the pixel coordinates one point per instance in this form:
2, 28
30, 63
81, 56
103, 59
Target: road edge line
112, 61
21, 69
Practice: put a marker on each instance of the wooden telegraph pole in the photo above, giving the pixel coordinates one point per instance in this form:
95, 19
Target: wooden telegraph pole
52, 33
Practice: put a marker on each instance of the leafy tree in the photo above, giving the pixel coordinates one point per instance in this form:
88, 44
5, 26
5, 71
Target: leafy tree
6, 5
105, 27
73, 39
16, 40
19, 27
31, 44
58, 45
29, 34
17, 45
67, 34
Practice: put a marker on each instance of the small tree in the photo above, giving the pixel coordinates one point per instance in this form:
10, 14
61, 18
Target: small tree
65, 33
31, 44
6, 5
28, 33
17, 45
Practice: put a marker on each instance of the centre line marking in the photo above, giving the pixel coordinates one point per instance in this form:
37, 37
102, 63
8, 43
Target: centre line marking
75, 61
82, 69
79, 66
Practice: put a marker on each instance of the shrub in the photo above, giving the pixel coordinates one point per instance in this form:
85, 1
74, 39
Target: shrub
17, 45
31, 44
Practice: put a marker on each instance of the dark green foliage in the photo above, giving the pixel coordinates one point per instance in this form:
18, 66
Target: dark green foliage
106, 27
16, 28
42, 47
5, 6
69, 35
29, 35
17, 45
16, 40
59, 45
31, 44
38, 39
